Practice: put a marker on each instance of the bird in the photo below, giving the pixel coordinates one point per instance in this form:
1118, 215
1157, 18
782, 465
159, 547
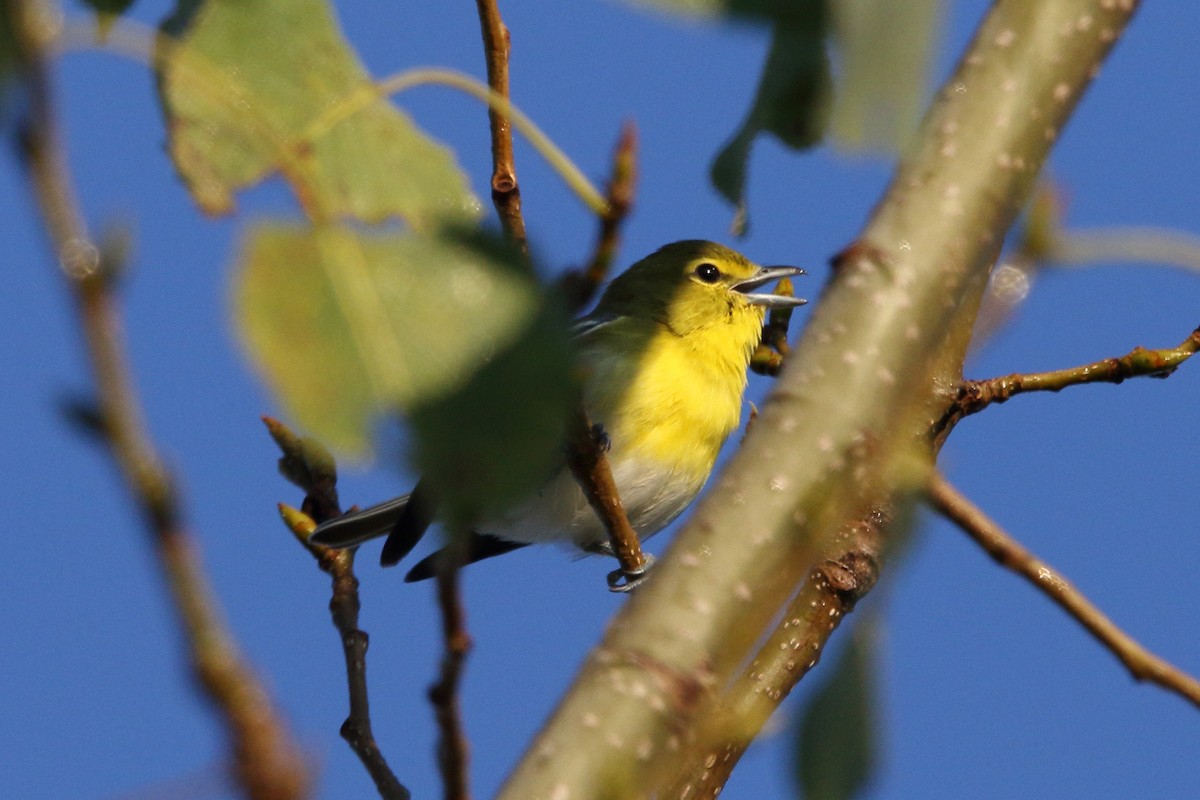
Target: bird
664, 357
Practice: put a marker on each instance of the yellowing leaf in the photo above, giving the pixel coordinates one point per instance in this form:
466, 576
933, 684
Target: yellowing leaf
347, 325
254, 87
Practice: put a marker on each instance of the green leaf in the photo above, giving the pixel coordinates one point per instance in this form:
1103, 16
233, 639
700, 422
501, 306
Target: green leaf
255, 87
347, 325
793, 91
108, 8
836, 748
500, 436
766, 9
884, 55
790, 102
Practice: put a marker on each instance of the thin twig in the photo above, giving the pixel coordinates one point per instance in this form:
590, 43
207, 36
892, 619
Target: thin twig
268, 762
309, 466
1141, 663
506, 194
585, 442
831, 592
974, 396
589, 464
453, 746
579, 287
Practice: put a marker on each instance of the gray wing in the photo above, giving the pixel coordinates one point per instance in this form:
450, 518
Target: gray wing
360, 526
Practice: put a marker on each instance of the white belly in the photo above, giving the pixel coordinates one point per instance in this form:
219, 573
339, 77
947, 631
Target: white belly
652, 496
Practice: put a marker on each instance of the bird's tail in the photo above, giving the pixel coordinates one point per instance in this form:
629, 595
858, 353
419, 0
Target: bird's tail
360, 526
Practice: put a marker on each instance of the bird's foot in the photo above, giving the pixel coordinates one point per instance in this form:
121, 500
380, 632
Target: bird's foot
600, 437
621, 581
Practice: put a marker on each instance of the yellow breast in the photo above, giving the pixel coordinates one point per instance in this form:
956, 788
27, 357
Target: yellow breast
667, 398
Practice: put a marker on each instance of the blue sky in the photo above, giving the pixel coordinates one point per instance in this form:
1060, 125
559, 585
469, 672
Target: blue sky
987, 690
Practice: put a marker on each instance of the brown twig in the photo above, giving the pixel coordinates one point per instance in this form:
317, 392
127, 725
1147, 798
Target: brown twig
580, 286
831, 592
585, 455
588, 461
453, 746
585, 450
506, 194
974, 396
268, 762
1141, 663
309, 466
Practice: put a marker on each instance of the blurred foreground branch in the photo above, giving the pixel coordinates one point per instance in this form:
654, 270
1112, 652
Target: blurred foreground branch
268, 764
891, 328
1081, 248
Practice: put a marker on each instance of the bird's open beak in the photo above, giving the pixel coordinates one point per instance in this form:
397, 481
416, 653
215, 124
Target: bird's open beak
766, 275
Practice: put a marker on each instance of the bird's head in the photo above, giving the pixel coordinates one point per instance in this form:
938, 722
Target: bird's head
694, 285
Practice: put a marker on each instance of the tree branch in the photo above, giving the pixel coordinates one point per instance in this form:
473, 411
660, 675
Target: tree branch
974, 396
309, 466
1078, 248
585, 442
580, 286
861, 372
506, 194
453, 746
589, 464
1141, 663
831, 592
267, 761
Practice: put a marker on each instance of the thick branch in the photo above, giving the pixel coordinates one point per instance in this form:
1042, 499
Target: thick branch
860, 373
1141, 663
268, 763
831, 592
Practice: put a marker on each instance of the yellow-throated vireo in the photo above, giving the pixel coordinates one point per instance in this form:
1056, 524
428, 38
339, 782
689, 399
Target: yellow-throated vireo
664, 357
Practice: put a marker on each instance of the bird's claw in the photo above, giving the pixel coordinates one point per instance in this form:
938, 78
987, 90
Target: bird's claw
600, 437
621, 581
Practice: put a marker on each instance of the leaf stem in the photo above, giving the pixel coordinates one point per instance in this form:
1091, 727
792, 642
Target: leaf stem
268, 762
555, 157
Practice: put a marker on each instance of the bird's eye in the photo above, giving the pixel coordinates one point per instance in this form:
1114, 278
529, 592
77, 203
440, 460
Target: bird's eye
708, 272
